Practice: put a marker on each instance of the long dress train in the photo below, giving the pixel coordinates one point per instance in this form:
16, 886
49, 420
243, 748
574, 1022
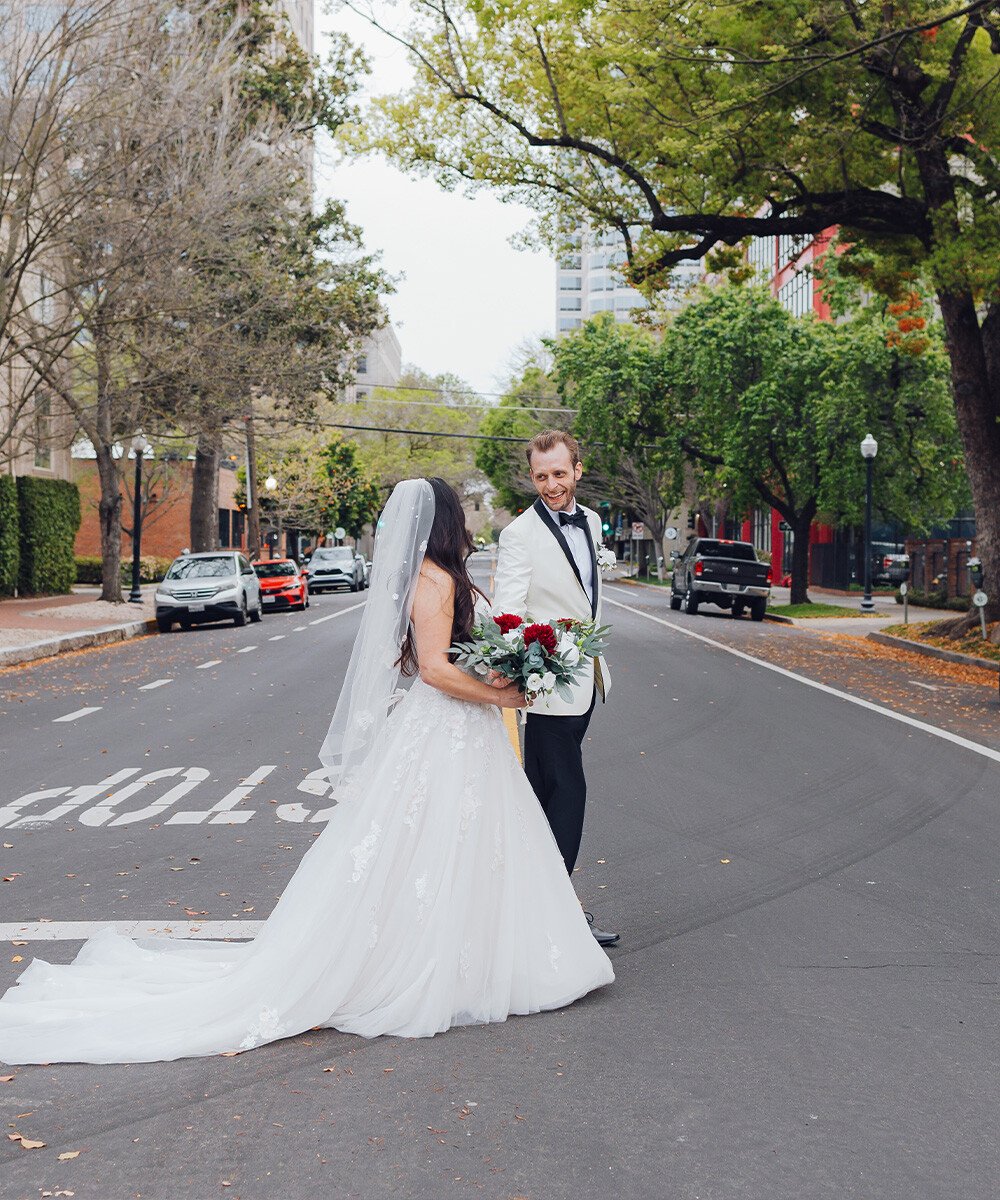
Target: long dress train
436, 899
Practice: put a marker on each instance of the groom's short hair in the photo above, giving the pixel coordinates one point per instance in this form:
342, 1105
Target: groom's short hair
548, 439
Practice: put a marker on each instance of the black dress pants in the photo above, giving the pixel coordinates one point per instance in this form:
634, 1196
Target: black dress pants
553, 762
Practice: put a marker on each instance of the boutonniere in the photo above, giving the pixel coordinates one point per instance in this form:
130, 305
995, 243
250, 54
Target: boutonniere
606, 558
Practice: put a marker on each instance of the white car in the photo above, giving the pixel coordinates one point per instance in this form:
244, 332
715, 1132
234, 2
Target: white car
217, 585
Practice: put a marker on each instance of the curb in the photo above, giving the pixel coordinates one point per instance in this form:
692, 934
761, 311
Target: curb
80, 640
970, 660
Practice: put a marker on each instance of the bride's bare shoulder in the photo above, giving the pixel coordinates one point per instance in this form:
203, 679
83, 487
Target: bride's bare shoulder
434, 581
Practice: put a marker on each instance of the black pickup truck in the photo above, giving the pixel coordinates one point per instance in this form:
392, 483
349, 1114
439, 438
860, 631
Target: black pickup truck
717, 571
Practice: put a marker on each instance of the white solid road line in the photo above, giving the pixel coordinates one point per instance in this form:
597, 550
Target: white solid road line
212, 662
157, 683
933, 730
78, 931
80, 712
331, 616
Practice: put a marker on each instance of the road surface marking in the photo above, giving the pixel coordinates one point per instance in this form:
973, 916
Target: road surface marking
277, 637
223, 814
78, 931
299, 628
933, 730
212, 662
929, 686
80, 712
331, 616
148, 687
246, 650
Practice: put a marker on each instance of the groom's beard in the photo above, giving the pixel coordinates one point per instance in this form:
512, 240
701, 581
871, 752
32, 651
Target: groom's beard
563, 503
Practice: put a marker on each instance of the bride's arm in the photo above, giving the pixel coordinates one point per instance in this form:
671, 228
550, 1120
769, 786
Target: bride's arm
433, 612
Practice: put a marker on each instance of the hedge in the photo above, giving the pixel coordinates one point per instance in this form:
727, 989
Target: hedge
90, 569
936, 600
10, 535
49, 512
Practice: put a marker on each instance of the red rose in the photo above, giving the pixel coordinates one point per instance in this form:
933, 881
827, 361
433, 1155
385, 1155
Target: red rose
509, 621
544, 635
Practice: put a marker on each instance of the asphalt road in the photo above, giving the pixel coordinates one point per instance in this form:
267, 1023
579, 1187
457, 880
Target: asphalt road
807, 888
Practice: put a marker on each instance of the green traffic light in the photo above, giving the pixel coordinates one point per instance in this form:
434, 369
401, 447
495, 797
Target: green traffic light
606, 527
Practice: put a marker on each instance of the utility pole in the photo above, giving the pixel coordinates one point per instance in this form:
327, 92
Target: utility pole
253, 508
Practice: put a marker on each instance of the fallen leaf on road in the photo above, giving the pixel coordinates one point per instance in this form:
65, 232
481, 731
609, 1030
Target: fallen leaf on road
19, 943
26, 1143
725, 860
8, 845
11, 878
18, 958
229, 1053
6, 1078
68, 1154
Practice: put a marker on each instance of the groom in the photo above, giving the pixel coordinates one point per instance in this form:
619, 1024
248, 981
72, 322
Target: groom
548, 569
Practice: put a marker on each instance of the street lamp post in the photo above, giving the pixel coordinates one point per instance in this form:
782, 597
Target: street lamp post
869, 448
271, 484
139, 448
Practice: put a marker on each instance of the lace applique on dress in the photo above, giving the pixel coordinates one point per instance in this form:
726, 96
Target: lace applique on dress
555, 954
362, 853
463, 960
268, 1028
373, 928
423, 892
417, 797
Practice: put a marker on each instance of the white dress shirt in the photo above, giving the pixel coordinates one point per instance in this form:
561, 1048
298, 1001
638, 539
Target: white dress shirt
578, 541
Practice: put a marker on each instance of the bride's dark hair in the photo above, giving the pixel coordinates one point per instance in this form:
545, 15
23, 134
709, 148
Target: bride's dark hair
448, 546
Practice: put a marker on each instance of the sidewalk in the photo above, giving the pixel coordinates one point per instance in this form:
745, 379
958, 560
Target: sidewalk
40, 626
886, 612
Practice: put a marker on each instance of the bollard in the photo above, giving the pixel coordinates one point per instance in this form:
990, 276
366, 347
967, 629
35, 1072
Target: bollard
980, 600
904, 591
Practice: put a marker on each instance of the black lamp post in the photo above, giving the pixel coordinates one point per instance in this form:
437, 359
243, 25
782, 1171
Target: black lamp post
139, 448
869, 448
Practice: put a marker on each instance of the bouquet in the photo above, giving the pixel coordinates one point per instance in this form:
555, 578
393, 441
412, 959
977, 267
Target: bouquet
538, 658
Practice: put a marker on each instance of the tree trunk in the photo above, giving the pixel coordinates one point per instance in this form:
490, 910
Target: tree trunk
205, 492
110, 506
977, 407
110, 512
801, 523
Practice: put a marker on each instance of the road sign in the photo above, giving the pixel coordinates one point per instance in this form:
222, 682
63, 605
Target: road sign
638, 531
904, 588
980, 599
340, 532
670, 533
784, 527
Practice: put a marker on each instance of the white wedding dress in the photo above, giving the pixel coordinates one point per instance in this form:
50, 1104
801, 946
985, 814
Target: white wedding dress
436, 898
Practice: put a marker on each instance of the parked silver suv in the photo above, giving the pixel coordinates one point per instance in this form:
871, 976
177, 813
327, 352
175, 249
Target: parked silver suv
335, 566
217, 585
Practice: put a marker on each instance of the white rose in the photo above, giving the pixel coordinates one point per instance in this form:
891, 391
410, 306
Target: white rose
533, 683
571, 654
548, 681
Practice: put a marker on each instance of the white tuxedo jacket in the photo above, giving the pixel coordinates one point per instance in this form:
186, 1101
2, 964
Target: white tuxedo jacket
537, 578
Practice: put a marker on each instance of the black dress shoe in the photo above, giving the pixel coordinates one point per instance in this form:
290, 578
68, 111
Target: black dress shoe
603, 939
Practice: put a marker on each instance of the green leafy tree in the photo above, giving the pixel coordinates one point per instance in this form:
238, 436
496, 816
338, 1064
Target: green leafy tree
773, 409
440, 411
615, 376
691, 126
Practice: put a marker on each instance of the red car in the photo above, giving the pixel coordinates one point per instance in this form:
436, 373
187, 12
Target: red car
281, 585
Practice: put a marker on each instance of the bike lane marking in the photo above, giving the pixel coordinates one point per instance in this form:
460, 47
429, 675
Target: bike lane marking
933, 730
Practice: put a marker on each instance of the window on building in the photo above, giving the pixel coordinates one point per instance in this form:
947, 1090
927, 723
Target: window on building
602, 303
796, 294
572, 262
567, 323
236, 526
224, 528
43, 434
570, 303
362, 393
363, 365
570, 283
625, 301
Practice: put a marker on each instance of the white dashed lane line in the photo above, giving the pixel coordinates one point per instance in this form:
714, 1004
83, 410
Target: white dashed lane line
80, 712
299, 628
278, 637
341, 613
212, 662
246, 649
157, 683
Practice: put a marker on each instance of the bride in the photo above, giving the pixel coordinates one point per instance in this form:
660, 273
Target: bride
435, 896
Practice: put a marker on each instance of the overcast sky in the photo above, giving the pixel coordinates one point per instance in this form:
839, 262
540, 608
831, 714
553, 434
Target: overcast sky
468, 298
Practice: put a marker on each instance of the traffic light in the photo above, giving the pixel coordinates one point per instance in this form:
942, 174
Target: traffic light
691, 520
606, 526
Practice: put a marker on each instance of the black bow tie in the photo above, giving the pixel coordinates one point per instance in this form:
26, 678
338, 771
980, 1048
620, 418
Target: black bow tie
578, 518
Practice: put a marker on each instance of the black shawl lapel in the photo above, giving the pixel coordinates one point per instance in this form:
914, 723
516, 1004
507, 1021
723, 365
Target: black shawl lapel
557, 533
